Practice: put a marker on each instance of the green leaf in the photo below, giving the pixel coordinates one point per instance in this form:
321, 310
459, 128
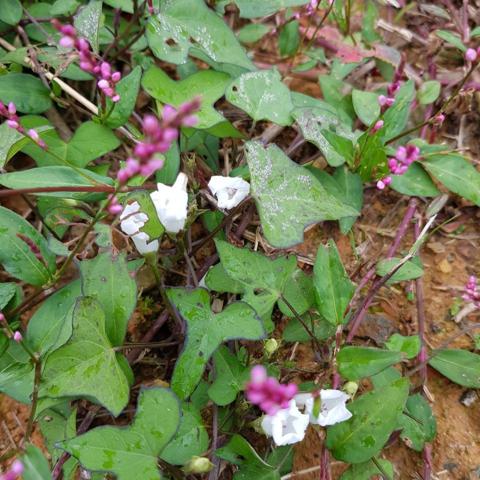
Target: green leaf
415, 182
255, 9
355, 363
11, 11
264, 280
230, 377
369, 23
12, 141
368, 470
16, 378
316, 124
218, 280
35, 464
127, 88
13, 87
86, 366
106, 278
428, 92
51, 325
333, 288
419, 426
205, 332
8, 291
299, 293
396, 117
295, 331
79, 151
460, 366
57, 424
262, 95
124, 5
372, 156
16, 238
131, 452
252, 32
87, 22
452, 39
191, 438
456, 173
375, 416
410, 270
54, 177
289, 39
385, 377
288, 196
194, 29
239, 452
171, 166
351, 189
208, 84
366, 106
410, 346
63, 7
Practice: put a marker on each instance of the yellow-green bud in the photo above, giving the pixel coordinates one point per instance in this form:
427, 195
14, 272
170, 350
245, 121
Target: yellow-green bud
257, 425
350, 388
270, 346
198, 465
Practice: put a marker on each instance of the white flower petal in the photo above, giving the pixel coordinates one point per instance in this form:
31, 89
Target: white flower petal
230, 191
171, 204
287, 426
141, 242
332, 408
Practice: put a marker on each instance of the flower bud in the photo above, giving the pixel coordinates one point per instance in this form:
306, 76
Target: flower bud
17, 336
197, 465
270, 346
350, 388
470, 55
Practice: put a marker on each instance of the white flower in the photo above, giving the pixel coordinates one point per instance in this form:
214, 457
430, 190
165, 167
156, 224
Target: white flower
171, 203
287, 426
332, 408
132, 220
230, 191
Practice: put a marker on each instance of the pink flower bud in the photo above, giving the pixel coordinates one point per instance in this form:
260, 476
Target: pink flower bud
168, 113
115, 209
12, 109
116, 77
170, 134
380, 184
83, 45
17, 467
470, 55
105, 70
17, 336
116, 98
68, 30
439, 119
103, 84
190, 121
13, 124
123, 175
378, 125
2, 317
382, 100
66, 42
151, 125
32, 133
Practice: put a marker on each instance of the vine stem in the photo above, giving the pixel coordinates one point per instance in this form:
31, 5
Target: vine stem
402, 230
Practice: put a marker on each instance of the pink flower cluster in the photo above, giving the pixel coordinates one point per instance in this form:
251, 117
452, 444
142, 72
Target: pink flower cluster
15, 471
388, 100
13, 121
158, 137
106, 78
399, 164
266, 392
472, 292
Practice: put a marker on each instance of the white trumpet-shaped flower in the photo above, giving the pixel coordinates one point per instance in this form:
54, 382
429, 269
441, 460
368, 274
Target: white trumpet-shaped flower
131, 221
286, 426
230, 191
171, 204
326, 409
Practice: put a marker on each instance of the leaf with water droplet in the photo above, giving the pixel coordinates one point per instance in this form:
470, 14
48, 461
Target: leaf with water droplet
289, 197
131, 452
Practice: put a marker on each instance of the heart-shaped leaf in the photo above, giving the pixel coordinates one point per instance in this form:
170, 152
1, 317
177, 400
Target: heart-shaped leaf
193, 28
87, 365
205, 332
263, 96
131, 452
289, 197
208, 84
460, 366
